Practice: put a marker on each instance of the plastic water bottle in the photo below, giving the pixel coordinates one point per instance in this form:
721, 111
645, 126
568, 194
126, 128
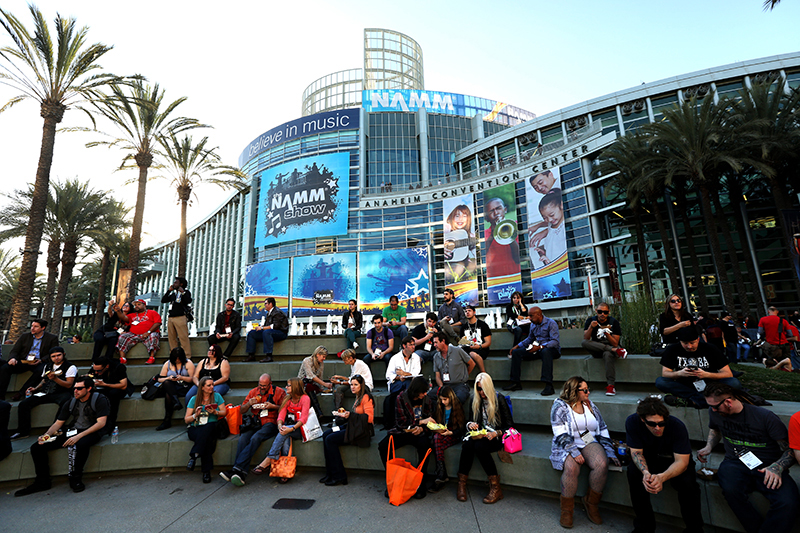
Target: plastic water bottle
115, 435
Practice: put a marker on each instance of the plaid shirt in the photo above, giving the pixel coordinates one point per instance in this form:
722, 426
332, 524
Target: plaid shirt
404, 412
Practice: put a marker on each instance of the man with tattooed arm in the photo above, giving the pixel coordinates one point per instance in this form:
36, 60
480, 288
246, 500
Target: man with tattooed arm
757, 457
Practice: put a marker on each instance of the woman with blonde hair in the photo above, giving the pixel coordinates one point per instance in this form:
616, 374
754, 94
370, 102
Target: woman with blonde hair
311, 375
580, 436
491, 412
291, 417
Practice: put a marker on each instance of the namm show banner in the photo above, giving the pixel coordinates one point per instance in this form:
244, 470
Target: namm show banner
304, 197
323, 284
460, 248
270, 278
402, 273
501, 244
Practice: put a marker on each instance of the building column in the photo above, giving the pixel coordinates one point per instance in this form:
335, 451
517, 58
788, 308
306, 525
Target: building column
424, 158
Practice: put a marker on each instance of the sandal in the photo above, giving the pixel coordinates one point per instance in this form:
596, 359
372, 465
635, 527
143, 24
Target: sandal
258, 470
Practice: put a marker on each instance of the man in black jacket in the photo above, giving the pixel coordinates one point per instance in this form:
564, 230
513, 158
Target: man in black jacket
178, 321
275, 328
228, 327
29, 354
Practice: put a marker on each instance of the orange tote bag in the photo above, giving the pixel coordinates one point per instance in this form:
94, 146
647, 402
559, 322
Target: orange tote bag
402, 478
234, 418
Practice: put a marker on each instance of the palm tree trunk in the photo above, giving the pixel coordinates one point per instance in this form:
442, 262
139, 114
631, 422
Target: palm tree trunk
716, 249
143, 160
666, 242
641, 244
689, 234
101, 289
182, 253
68, 258
741, 229
782, 203
741, 288
53, 257
20, 313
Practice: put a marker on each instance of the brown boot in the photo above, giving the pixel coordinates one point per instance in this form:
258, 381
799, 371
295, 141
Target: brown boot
590, 502
461, 491
567, 507
495, 492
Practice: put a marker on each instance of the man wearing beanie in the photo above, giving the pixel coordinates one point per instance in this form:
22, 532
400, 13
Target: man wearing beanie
688, 366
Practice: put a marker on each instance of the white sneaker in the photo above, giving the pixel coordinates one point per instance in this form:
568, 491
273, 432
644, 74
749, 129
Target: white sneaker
355, 346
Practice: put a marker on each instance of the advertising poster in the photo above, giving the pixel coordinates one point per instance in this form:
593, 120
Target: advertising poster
547, 236
460, 267
401, 273
501, 243
323, 284
270, 278
306, 197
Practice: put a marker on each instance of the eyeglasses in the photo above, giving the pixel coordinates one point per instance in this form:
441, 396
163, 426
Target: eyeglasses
716, 407
78, 388
602, 312
675, 301
652, 424
587, 390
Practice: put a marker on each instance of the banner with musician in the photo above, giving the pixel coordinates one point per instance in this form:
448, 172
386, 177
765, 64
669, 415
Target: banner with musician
547, 236
460, 246
402, 273
305, 197
323, 284
503, 276
270, 278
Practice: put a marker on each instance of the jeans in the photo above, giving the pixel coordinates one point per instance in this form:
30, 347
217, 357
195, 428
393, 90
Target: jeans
222, 389
267, 336
519, 332
281, 444
232, 342
688, 392
399, 386
609, 355
426, 355
743, 352
545, 354
331, 440
399, 332
351, 335
461, 391
385, 356
205, 442
737, 482
249, 443
684, 484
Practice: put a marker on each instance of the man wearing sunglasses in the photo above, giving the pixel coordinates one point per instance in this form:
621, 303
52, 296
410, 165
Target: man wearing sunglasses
601, 335
660, 452
757, 457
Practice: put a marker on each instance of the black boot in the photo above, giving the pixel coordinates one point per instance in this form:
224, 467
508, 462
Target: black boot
167, 423
76, 482
441, 478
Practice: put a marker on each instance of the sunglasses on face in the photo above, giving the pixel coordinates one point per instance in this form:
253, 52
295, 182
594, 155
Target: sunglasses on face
675, 301
602, 312
716, 407
652, 424
78, 388
587, 390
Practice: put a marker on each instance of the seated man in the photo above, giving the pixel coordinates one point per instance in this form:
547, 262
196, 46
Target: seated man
55, 387
27, 355
403, 367
451, 316
423, 337
110, 380
380, 342
275, 327
660, 452
228, 327
757, 457
87, 413
542, 343
395, 318
601, 335
477, 332
451, 366
144, 327
357, 367
688, 367
352, 322
264, 401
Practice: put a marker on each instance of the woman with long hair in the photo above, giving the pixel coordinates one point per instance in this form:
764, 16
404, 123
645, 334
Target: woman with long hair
355, 427
291, 417
216, 366
490, 412
202, 413
518, 322
311, 375
674, 318
459, 236
175, 378
107, 335
580, 436
448, 412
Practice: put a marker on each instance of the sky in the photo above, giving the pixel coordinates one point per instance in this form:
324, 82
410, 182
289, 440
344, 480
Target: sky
244, 65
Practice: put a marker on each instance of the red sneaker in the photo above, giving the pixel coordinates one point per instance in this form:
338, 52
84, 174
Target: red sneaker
123, 360
150, 361
610, 390
622, 353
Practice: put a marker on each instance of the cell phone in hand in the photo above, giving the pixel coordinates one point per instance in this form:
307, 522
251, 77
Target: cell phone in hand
211, 407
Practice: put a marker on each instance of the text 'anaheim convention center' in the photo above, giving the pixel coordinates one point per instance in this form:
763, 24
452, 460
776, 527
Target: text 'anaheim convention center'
382, 187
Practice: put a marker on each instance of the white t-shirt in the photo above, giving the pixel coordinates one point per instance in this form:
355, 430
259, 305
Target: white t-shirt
583, 422
71, 372
413, 366
361, 368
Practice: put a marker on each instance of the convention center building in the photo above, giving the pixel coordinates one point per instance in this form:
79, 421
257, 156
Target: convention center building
382, 187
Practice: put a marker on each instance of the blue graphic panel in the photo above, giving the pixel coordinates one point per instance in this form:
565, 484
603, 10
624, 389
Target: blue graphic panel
402, 273
270, 278
323, 284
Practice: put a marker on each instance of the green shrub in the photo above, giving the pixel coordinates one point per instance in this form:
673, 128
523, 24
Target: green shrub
638, 318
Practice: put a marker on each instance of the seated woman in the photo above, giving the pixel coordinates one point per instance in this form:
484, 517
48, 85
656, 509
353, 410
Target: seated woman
580, 436
352, 322
202, 413
517, 319
107, 335
175, 378
491, 412
311, 375
448, 412
217, 368
355, 427
291, 417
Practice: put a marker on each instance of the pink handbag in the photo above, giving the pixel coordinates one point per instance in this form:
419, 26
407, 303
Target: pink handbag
512, 441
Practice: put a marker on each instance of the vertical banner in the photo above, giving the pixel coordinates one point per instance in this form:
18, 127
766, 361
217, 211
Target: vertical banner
401, 273
323, 284
270, 278
461, 266
503, 276
547, 244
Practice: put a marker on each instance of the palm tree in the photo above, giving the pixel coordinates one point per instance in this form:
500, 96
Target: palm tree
142, 115
111, 242
58, 71
190, 165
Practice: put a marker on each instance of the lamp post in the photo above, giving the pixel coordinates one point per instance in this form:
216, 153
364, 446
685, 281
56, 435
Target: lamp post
589, 265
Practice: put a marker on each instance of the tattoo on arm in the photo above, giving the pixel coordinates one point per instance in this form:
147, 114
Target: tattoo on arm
714, 437
785, 461
637, 456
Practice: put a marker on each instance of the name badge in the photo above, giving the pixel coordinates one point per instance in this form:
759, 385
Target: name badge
31, 357
750, 460
135, 322
510, 322
445, 377
228, 330
203, 419
428, 347
72, 432
336, 428
700, 385
587, 437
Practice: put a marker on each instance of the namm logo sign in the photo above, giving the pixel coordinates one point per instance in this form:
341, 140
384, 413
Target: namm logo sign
299, 197
406, 100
